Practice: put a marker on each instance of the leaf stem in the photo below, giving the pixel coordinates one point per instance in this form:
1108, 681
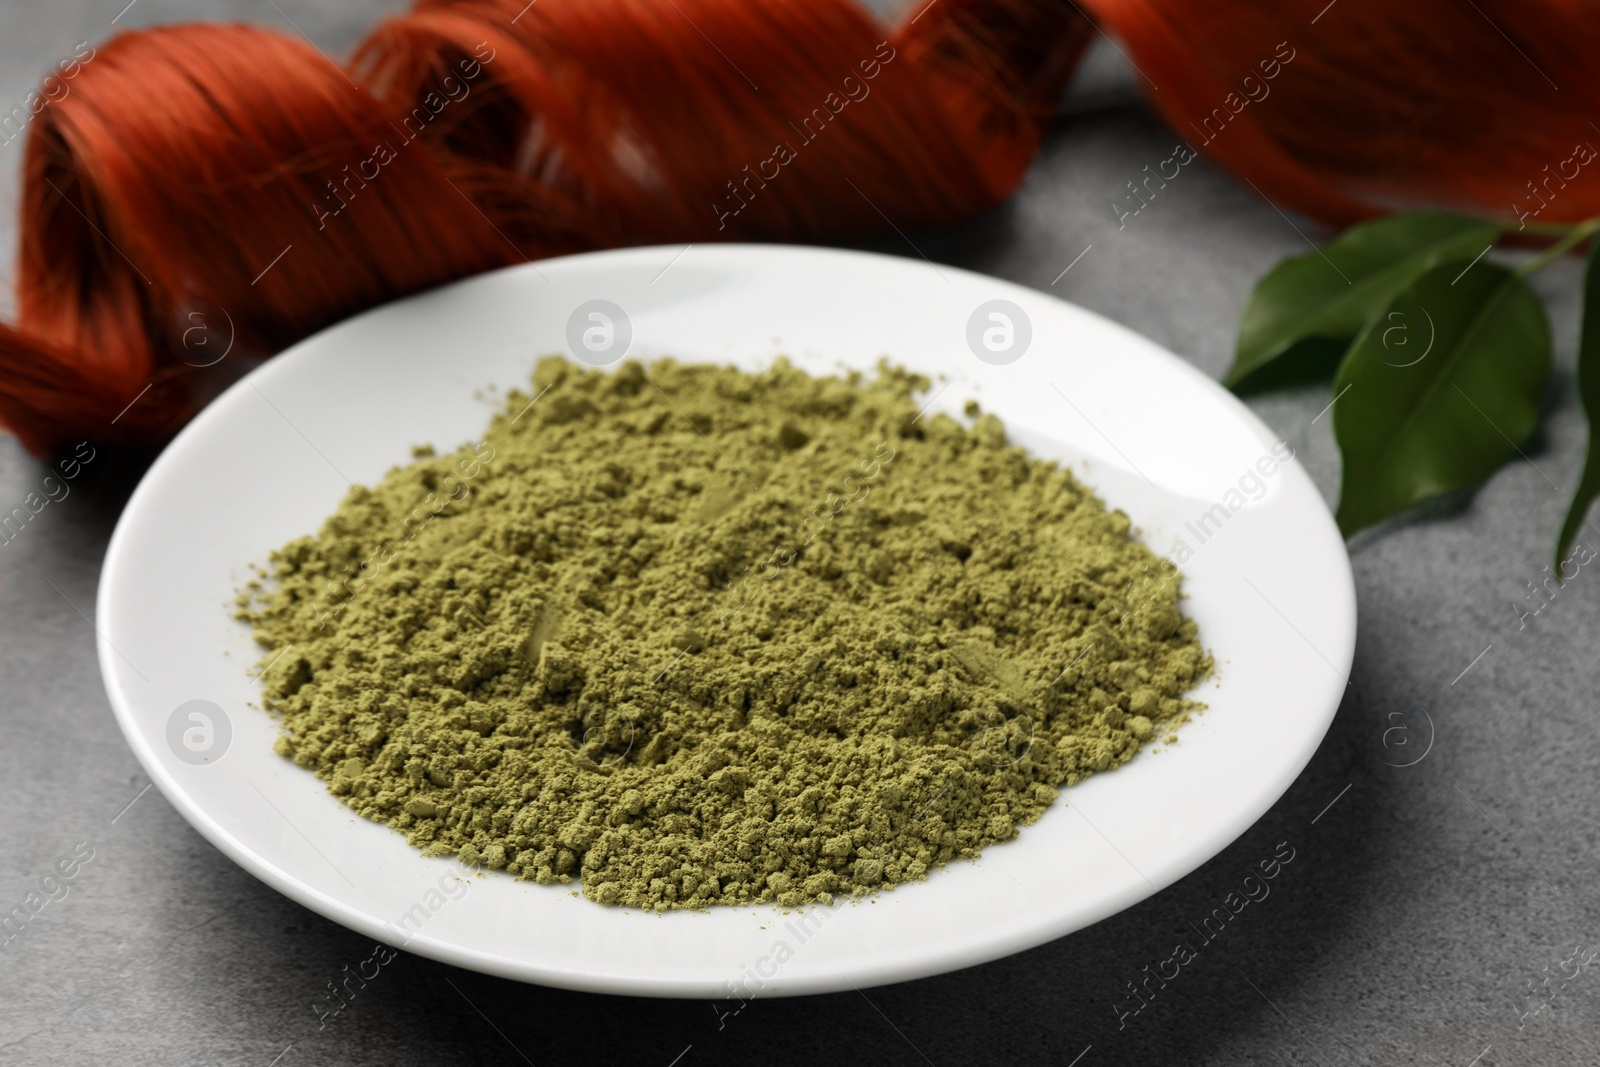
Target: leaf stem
1575, 236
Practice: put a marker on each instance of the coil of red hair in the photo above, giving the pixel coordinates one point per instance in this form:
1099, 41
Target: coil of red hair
219, 170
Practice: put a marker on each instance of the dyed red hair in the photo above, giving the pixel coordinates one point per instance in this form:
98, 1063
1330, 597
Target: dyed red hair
207, 171
1383, 105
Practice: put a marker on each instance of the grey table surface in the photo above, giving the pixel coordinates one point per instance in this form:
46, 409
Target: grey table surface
1422, 902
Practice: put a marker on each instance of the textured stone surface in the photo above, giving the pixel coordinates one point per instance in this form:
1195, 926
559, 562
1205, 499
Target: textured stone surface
1416, 909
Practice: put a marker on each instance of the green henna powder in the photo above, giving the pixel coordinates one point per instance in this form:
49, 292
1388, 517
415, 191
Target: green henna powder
696, 636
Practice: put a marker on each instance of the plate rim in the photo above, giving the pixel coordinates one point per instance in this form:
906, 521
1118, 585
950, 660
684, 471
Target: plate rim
921, 964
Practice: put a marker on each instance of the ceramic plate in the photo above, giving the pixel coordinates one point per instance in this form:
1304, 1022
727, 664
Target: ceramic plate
1267, 576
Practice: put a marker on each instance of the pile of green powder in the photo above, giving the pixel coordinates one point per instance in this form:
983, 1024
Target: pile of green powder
696, 636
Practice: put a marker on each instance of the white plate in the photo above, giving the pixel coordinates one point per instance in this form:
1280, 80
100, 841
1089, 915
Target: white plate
1271, 589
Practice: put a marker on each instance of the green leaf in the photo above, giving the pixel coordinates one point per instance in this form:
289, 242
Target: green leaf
1589, 393
1311, 304
1439, 389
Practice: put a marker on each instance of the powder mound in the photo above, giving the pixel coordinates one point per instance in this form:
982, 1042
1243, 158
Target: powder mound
697, 636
